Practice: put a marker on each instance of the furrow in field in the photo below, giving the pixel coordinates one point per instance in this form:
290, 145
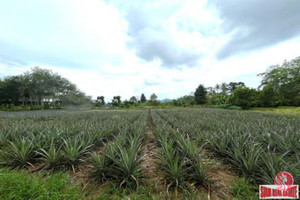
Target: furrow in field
150, 152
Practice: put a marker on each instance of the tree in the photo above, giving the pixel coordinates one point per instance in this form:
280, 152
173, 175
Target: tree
232, 86
143, 98
133, 99
268, 97
218, 88
153, 100
10, 90
153, 97
38, 86
100, 101
200, 95
116, 101
184, 101
244, 97
285, 80
224, 88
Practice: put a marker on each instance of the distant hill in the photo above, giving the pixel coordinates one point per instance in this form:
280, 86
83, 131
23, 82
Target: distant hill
165, 100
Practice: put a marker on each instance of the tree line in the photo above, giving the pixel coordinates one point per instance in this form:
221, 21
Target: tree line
132, 102
280, 86
39, 87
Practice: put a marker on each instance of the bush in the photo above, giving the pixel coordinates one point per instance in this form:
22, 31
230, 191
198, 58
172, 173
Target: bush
58, 107
47, 106
235, 108
36, 107
224, 106
244, 97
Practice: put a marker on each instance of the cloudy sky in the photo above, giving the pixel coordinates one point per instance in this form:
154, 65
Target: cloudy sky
167, 47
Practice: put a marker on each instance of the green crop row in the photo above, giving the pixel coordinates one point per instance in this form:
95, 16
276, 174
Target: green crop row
257, 145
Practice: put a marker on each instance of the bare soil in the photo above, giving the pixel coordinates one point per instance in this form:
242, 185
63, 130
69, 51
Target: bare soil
221, 176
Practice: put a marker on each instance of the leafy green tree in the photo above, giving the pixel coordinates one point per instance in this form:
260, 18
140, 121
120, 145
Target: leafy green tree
38, 86
143, 98
216, 99
127, 104
285, 80
268, 96
184, 101
10, 92
153, 100
153, 97
232, 86
100, 101
116, 101
133, 99
224, 88
244, 97
200, 95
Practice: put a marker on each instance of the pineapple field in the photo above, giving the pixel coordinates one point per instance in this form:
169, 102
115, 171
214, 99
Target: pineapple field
200, 153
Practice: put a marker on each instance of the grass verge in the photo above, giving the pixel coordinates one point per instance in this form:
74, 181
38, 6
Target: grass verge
280, 110
242, 189
16, 184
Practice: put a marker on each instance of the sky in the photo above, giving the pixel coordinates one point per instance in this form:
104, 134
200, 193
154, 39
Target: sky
166, 47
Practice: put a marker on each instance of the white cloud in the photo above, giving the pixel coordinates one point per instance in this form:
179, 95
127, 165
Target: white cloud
173, 46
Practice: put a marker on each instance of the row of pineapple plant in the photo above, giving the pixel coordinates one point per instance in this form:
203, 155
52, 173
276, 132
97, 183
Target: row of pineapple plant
180, 157
56, 139
257, 145
120, 161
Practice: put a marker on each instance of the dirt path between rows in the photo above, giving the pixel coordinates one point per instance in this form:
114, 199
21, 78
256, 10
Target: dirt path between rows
151, 173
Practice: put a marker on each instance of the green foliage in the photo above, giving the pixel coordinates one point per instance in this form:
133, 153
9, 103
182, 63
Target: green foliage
74, 150
18, 154
153, 100
21, 185
121, 160
200, 95
245, 158
114, 192
268, 97
199, 172
52, 157
101, 167
172, 165
186, 100
242, 189
143, 98
257, 145
153, 97
285, 81
116, 101
216, 99
32, 88
133, 99
244, 97
126, 165
100, 101
280, 110
226, 106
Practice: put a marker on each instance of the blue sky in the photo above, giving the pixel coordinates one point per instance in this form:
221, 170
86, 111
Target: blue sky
167, 47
